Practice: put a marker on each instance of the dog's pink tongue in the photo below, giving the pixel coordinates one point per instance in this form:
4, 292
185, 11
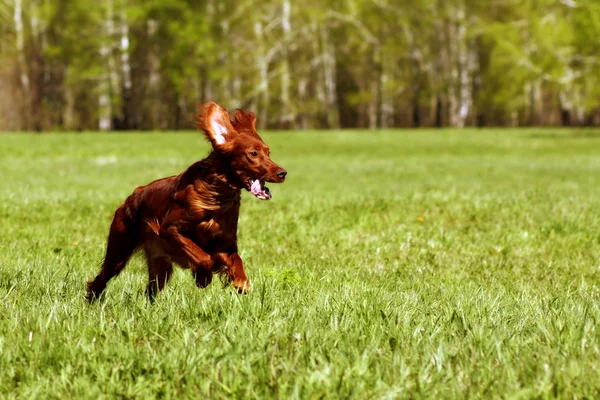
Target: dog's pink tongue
255, 189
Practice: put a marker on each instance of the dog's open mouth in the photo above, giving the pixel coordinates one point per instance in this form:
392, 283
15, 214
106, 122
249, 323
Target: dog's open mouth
258, 188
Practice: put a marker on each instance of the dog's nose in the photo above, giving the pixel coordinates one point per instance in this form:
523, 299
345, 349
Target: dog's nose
282, 173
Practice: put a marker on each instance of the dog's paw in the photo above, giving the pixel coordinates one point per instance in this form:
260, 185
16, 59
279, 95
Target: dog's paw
203, 278
242, 287
94, 290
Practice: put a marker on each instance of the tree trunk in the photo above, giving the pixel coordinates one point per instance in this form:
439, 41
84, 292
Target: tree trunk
386, 112
69, 110
452, 78
263, 76
416, 85
104, 89
302, 116
566, 107
372, 106
465, 57
236, 81
27, 115
319, 78
36, 68
153, 78
535, 103
440, 80
329, 70
126, 83
439, 111
286, 115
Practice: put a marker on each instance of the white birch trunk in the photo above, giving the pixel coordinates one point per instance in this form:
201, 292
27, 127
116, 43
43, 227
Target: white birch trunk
453, 78
263, 74
69, 110
329, 69
464, 67
207, 93
37, 72
535, 100
302, 86
387, 101
372, 106
263, 67
440, 78
124, 46
153, 75
125, 72
579, 107
286, 115
415, 58
112, 68
104, 90
22, 62
317, 63
236, 87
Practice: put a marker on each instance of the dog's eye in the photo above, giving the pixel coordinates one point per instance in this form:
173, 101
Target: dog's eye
254, 153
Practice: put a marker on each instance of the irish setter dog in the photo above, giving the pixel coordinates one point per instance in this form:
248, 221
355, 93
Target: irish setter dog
191, 219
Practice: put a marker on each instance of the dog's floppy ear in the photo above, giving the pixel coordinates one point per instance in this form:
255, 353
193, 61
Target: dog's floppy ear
245, 119
214, 121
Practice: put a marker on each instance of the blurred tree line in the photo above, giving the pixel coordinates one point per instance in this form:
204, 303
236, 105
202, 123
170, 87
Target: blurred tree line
146, 64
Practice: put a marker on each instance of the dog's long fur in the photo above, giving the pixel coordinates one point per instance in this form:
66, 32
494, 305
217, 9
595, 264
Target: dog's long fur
191, 219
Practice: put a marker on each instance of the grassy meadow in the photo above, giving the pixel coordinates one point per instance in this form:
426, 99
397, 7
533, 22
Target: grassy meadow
393, 264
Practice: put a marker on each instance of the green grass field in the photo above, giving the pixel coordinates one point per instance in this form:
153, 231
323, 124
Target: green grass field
398, 264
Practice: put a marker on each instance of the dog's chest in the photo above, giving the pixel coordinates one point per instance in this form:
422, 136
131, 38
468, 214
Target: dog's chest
217, 232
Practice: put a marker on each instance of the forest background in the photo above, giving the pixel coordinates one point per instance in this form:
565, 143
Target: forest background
146, 64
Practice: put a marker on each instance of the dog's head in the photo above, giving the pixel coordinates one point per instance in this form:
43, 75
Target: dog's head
236, 139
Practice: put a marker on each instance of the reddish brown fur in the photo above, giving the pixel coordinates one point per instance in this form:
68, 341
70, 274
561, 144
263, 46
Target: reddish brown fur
191, 219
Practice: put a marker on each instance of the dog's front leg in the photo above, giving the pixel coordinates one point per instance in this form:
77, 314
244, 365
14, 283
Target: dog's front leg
187, 253
233, 266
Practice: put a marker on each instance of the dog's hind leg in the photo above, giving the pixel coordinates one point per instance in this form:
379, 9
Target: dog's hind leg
123, 239
160, 270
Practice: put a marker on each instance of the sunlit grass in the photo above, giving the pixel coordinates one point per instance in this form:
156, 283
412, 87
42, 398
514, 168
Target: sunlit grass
430, 264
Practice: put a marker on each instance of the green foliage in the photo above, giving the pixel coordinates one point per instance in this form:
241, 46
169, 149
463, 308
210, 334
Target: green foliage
427, 264
356, 63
